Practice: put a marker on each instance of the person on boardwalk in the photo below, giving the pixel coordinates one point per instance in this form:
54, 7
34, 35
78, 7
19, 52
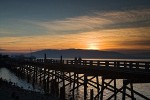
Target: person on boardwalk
79, 60
76, 60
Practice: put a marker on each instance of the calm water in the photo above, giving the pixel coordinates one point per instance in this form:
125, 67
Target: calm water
141, 88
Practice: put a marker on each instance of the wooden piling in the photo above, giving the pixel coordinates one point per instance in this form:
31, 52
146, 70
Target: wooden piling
47, 85
62, 93
70, 78
91, 94
63, 80
102, 89
124, 90
44, 85
40, 76
85, 86
132, 93
33, 81
77, 80
98, 89
54, 88
36, 74
115, 90
74, 80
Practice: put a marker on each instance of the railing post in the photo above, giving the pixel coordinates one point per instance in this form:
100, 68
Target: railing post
107, 64
98, 63
137, 65
84, 62
130, 65
61, 60
115, 64
146, 66
91, 63
67, 61
118, 64
76, 60
125, 64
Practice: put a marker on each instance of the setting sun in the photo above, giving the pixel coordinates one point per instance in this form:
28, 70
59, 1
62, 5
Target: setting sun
91, 28
93, 46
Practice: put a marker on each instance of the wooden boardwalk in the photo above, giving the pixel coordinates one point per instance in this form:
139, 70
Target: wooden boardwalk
106, 68
53, 73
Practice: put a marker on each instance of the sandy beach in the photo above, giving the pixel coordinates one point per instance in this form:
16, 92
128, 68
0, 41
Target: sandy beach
8, 91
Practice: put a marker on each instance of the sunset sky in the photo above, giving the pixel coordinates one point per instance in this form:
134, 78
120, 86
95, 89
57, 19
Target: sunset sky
117, 25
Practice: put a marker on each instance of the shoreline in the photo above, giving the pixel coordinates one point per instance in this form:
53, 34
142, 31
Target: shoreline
9, 91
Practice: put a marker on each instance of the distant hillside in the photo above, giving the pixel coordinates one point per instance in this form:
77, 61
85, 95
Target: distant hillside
71, 53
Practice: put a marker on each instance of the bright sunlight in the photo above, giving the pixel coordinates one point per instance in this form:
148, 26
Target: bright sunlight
93, 46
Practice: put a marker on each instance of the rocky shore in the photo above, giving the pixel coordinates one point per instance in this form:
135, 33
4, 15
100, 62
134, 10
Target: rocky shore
9, 91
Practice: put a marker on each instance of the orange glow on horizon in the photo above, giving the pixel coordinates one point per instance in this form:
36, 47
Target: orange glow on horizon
98, 30
96, 40
92, 46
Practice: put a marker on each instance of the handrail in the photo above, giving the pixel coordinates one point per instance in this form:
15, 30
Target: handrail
102, 63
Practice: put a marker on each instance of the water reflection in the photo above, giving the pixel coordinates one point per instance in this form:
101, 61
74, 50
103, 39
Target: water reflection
9, 76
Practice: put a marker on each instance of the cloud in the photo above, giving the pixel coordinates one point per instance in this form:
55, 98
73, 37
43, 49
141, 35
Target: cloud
77, 24
19, 28
2, 49
4, 32
128, 18
128, 29
139, 43
95, 21
8, 33
127, 15
99, 21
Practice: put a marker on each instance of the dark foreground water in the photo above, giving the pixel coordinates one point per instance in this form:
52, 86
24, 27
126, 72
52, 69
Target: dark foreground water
9, 76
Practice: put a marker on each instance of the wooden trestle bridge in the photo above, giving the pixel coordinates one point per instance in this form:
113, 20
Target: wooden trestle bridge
99, 75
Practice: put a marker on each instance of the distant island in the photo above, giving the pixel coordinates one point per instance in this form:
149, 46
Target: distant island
71, 53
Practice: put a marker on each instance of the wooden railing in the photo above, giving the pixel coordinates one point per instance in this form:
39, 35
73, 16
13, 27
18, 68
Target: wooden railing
121, 64
102, 63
